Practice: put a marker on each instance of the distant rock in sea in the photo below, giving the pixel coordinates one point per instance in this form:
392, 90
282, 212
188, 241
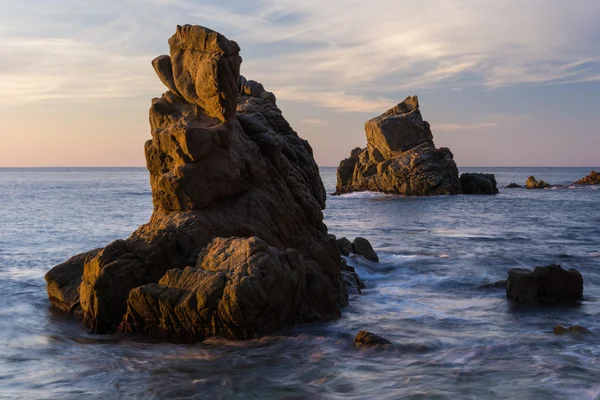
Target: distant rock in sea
577, 329
512, 186
592, 179
550, 284
532, 183
478, 183
236, 245
400, 157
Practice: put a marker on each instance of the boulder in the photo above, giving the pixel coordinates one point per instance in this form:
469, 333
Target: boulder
478, 183
592, 179
512, 186
550, 284
345, 246
367, 339
400, 157
532, 183
238, 203
362, 247
578, 329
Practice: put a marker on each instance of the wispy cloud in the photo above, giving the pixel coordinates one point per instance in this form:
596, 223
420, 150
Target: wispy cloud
346, 55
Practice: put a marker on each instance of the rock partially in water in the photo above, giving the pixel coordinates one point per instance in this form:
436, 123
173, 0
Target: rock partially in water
228, 172
345, 246
353, 282
366, 339
362, 247
493, 285
592, 179
550, 284
400, 157
578, 329
532, 183
512, 186
478, 183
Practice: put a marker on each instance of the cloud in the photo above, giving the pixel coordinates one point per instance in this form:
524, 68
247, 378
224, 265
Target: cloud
346, 55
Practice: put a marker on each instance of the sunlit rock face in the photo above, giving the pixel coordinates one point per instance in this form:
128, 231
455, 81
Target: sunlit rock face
236, 245
400, 157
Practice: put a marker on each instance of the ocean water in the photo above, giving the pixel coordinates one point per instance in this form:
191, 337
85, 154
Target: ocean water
452, 339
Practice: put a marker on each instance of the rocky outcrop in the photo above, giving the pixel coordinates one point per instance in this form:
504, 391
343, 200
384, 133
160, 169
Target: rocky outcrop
512, 186
533, 183
368, 339
592, 179
353, 282
550, 284
236, 245
362, 247
478, 183
400, 157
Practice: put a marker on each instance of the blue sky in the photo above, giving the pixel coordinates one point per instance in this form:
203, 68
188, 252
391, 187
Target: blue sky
501, 82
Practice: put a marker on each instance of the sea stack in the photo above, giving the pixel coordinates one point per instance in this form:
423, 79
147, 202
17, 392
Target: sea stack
400, 157
236, 245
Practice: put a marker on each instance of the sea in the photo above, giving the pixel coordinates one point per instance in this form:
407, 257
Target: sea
452, 338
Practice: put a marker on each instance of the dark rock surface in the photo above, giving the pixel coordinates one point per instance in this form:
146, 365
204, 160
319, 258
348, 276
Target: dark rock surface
532, 183
592, 179
550, 284
362, 247
478, 183
400, 157
238, 203
512, 186
368, 339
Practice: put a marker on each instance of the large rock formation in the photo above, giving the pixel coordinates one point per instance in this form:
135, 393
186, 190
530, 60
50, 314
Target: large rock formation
236, 245
400, 157
533, 183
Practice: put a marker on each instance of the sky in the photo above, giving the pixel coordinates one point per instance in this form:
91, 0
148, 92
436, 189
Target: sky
502, 83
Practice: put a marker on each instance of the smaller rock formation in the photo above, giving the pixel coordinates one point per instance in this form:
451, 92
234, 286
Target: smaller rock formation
478, 183
551, 284
359, 246
592, 179
578, 329
512, 186
367, 339
532, 183
400, 157
362, 247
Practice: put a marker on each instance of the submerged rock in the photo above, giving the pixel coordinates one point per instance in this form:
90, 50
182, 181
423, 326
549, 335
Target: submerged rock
236, 245
400, 157
362, 247
353, 282
368, 339
561, 330
478, 183
592, 179
532, 183
512, 186
549, 284
493, 285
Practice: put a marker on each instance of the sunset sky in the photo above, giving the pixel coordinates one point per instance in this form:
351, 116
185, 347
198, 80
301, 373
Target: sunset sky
502, 83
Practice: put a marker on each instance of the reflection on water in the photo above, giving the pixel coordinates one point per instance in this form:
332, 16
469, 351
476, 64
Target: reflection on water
452, 338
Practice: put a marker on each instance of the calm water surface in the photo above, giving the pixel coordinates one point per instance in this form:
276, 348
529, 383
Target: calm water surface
453, 340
